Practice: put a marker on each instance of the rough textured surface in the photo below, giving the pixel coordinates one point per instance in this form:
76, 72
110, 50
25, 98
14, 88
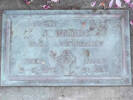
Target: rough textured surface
75, 49
62, 93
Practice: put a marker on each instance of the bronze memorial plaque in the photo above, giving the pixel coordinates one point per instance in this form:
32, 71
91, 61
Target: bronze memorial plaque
65, 48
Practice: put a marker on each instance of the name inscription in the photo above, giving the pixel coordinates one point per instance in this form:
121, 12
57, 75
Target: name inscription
69, 47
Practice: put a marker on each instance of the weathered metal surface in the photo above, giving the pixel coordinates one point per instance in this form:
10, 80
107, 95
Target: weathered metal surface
65, 48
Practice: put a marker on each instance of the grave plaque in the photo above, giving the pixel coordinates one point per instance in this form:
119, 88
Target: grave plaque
65, 48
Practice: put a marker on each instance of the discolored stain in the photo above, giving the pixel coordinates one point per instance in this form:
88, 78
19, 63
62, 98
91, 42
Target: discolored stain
87, 53
91, 28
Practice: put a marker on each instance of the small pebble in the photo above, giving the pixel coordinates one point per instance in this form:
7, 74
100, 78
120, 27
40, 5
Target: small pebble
93, 3
45, 7
55, 0
131, 22
28, 2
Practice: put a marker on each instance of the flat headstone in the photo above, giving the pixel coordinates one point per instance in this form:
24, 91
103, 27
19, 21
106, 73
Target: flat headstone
65, 48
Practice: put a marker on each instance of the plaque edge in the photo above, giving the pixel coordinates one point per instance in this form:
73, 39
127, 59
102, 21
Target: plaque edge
59, 84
